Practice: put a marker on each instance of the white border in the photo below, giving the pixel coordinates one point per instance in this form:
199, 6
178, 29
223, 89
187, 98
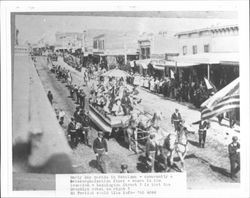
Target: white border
20, 6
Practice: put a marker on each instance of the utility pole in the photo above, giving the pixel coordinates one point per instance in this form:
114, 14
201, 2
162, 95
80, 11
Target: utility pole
125, 48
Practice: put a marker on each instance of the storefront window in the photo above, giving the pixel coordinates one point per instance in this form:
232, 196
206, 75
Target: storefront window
206, 48
184, 50
194, 49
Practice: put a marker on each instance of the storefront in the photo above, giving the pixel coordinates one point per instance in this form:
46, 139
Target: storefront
219, 68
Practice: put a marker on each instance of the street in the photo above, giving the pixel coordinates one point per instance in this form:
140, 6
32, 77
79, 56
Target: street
204, 167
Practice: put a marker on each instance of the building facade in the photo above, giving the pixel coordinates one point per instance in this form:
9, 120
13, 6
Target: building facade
157, 46
69, 40
209, 52
221, 39
116, 46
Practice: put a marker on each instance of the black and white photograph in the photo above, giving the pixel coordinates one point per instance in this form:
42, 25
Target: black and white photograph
126, 92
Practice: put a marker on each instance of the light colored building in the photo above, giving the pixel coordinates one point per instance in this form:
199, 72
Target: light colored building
112, 44
160, 46
210, 52
69, 40
220, 39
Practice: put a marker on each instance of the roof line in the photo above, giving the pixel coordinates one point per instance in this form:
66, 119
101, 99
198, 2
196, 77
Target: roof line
206, 29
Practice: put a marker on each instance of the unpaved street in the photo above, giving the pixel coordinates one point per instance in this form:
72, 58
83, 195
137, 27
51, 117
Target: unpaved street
204, 167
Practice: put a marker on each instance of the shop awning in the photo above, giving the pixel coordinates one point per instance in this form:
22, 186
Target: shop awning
144, 63
159, 67
157, 63
207, 58
120, 52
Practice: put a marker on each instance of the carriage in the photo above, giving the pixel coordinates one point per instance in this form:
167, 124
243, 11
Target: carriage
107, 123
118, 125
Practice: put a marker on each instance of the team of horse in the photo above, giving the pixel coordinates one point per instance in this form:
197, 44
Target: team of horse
169, 145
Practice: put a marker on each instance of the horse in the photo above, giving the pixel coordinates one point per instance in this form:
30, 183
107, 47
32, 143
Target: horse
175, 143
146, 123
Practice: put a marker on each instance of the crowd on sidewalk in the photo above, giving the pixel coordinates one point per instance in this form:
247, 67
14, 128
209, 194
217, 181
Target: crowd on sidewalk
180, 90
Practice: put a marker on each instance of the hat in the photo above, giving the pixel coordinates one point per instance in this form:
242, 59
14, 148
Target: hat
151, 136
234, 138
124, 166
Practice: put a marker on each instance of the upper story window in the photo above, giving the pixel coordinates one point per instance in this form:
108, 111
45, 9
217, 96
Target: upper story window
194, 49
95, 44
206, 48
184, 50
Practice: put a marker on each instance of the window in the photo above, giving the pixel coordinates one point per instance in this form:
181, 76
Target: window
184, 50
206, 48
194, 49
95, 44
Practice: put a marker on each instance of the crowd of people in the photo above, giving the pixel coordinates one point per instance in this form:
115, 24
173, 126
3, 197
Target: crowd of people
115, 97
180, 90
112, 96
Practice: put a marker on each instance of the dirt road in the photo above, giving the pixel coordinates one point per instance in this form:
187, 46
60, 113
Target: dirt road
205, 167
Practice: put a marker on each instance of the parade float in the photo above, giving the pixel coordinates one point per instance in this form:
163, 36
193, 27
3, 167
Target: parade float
103, 120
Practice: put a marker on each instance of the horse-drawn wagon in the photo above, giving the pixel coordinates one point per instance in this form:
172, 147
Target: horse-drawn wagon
107, 123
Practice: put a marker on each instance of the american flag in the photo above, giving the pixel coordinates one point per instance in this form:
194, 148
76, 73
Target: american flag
224, 100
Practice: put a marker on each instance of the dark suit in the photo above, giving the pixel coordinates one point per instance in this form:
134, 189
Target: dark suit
234, 158
203, 133
72, 133
176, 119
151, 149
98, 145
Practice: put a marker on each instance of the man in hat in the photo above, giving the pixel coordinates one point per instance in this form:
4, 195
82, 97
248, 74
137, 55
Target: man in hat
50, 97
151, 148
176, 119
234, 156
203, 126
86, 126
124, 168
77, 116
75, 90
82, 98
72, 132
100, 146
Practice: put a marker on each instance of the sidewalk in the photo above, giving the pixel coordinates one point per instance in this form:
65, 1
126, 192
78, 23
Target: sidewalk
33, 113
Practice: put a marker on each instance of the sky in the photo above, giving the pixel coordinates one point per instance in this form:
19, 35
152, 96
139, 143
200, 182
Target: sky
33, 27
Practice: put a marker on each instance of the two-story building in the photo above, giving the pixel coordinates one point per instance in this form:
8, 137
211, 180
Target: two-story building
157, 49
209, 52
115, 46
160, 46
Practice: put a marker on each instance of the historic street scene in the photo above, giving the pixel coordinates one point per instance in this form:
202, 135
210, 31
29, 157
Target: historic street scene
126, 92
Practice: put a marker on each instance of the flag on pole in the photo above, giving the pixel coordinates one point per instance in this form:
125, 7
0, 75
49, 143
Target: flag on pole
172, 74
224, 100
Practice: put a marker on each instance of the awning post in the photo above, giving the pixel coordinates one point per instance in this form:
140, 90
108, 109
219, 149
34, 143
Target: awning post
208, 72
